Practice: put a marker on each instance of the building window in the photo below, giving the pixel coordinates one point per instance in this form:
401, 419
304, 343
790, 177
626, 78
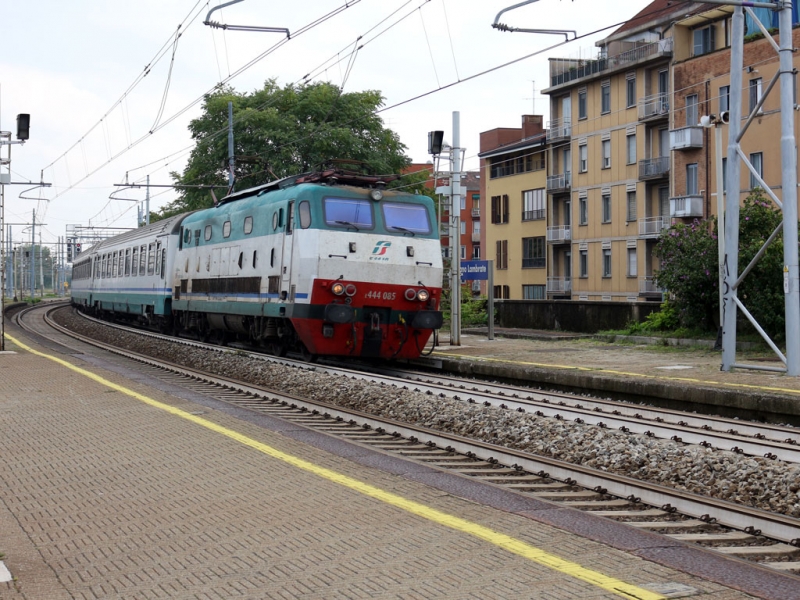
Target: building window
630, 141
606, 147
756, 159
533, 205
724, 98
606, 262
630, 91
692, 118
533, 252
605, 98
691, 179
500, 209
631, 206
583, 211
502, 292
703, 40
463, 253
534, 292
476, 253
445, 251
584, 264
583, 158
582, 104
476, 228
632, 264
463, 226
501, 259
755, 92
606, 204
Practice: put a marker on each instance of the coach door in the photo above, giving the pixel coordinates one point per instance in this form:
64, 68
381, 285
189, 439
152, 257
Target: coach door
289, 255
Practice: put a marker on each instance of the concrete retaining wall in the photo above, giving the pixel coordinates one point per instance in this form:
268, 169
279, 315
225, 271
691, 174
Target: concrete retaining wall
582, 317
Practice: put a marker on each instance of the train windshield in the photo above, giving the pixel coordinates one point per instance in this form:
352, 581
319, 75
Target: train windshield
349, 213
406, 218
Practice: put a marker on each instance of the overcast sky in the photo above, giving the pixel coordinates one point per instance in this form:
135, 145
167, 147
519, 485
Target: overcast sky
73, 64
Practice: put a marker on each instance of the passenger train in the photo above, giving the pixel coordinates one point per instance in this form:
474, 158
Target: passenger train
325, 263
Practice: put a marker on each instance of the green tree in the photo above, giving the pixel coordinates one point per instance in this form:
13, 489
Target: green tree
689, 268
285, 131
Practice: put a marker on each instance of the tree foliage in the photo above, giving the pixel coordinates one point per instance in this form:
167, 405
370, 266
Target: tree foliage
285, 131
689, 268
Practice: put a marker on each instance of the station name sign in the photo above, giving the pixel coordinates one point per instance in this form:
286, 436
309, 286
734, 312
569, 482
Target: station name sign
474, 270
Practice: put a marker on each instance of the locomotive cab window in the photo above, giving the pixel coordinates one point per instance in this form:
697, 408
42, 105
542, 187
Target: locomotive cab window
187, 236
406, 218
304, 212
349, 213
208, 232
226, 229
248, 225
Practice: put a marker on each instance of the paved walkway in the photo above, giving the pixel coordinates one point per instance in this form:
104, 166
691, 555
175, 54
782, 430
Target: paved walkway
112, 488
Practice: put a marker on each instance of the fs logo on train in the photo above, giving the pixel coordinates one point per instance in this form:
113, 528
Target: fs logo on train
379, 251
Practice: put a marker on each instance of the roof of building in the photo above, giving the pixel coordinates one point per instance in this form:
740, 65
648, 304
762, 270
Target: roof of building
659, 11
531, 142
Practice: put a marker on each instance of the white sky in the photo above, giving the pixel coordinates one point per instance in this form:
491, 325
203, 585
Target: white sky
67, 63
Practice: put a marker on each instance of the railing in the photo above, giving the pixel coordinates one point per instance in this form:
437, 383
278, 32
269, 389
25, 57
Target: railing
476, 237
559, 233
562, 181
647, 285
564, 70
559, 284
533, 215
559, 128
653, 226
533, 263
690, 205
476, 213
652, 168
686, 137
654, 106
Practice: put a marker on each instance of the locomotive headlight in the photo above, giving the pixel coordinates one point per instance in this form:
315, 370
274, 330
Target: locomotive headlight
376, 195
423, 295
338, 288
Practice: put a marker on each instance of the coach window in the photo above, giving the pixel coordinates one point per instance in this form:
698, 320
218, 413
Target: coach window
248, 225
226, 229
348, 213
135, 261
304, 212
163, 262
108, 265
208, 232
114, 261
127, 262
406, 218
143, 258
158, 258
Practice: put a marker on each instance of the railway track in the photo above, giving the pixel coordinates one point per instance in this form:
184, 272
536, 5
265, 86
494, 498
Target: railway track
728, 528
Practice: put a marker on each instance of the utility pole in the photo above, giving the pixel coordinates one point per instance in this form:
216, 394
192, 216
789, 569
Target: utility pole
33, 256
455, 234
147, 203
230, 147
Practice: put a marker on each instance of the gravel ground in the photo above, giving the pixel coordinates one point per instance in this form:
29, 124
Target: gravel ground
767, 484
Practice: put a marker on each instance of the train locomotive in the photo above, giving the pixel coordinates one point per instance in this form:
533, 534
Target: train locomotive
324, 263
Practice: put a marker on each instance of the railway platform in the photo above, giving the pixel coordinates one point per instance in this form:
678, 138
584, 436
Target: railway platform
676, 376
118, 486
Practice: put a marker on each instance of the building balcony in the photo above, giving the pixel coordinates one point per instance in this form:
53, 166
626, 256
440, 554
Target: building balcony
565, 70
559, 234
476, 213
559, 183
651, 227
476, 238
647, 285
687, 206
686, 138
653, 108
559, 285
559, 129
533, 215
654, 168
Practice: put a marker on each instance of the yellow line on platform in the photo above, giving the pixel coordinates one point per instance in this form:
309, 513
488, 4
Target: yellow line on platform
496, 538
762, 388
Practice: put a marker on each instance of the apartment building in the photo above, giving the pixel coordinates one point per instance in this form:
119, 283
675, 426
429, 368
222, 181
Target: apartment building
701, 71
513, 204
608, 183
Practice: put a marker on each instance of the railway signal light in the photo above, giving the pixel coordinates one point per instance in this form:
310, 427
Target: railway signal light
23, 126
